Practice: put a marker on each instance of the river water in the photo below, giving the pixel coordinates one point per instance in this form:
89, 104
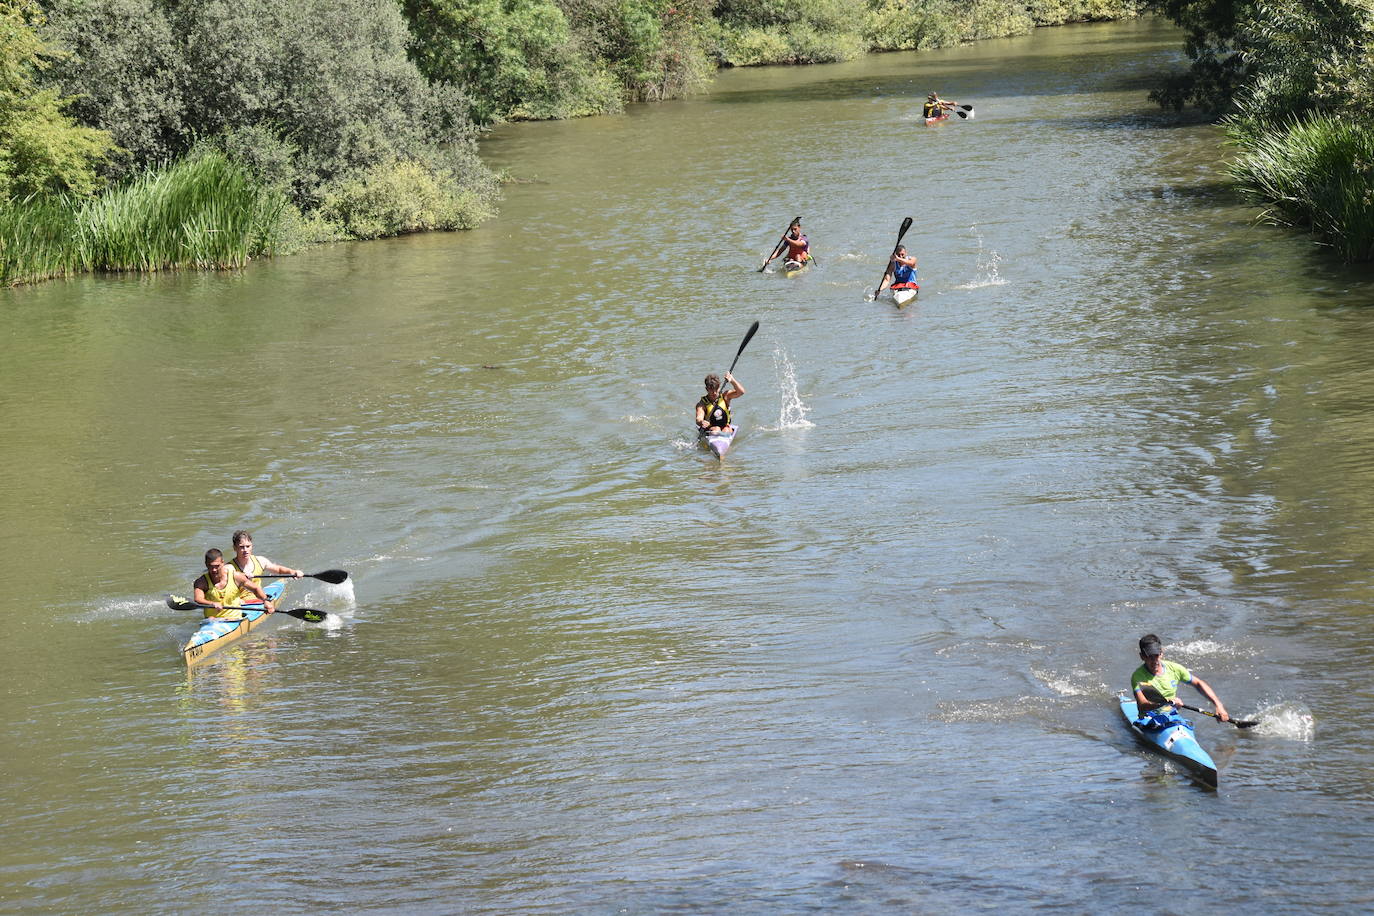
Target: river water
866, 664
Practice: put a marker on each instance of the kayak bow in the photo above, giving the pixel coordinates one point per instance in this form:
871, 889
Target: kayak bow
1166, 732
718, 443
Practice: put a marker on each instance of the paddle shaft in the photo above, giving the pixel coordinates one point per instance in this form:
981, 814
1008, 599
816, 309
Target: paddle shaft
1237, 724
310, 614
906, 224
1154, 696
332, 576
748, 336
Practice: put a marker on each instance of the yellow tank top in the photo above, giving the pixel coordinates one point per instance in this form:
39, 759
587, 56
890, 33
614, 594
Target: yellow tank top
256, 563
230, 593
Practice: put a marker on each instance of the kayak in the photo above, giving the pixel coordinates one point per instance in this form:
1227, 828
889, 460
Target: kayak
904, 295
1168, 733
718, 443
792, 268
942, 116
214, 633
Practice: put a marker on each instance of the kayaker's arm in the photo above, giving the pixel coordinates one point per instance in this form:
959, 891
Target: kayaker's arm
731, 395
279, 570
256, 589
1210, 694
702, 422
198, 594
1145, 702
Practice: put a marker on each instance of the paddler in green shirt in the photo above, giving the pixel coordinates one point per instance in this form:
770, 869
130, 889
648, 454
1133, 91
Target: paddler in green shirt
1165, 677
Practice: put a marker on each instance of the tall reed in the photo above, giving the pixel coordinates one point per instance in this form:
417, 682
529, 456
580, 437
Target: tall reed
1317, 173
203, 211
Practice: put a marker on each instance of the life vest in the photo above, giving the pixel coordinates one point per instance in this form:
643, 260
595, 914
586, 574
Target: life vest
230, 593
903, 276
932, 109
717, 412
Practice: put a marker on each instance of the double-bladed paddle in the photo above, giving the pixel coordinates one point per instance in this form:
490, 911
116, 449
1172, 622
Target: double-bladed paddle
332, 576
906, 224
782, 241
748, 336
308, 614
1154, 696
964, 111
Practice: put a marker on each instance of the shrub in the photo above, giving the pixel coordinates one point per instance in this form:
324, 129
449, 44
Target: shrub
402, 197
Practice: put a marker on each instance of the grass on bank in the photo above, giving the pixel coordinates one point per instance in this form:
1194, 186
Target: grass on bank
203, 212
1316, 173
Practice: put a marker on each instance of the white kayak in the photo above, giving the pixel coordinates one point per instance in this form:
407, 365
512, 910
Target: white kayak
718, 443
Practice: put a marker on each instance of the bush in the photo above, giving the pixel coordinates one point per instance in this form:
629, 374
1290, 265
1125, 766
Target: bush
1319, 174
402, 197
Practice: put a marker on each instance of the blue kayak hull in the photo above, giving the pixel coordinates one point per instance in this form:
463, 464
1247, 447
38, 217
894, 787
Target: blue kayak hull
1175, 740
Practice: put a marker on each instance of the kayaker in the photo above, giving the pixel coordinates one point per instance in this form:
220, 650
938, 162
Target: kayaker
795, 242
901, 272
935, 106
224, 588
713, 410
1165, 676
253, 566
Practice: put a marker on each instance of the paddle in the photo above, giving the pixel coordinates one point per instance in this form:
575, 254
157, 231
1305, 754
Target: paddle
906, 224
332, 576
777, 249
1154, 696
308, 614
964, 111
748, 336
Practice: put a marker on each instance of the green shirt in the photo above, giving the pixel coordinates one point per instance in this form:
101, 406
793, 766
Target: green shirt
1166, 682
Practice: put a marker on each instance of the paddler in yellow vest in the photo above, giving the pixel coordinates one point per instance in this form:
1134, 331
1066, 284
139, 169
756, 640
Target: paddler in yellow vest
713, 410
254, 566
936, 106
224, 588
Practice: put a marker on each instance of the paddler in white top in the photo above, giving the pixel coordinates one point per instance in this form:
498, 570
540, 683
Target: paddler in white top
713, 410
254, 566
225, 589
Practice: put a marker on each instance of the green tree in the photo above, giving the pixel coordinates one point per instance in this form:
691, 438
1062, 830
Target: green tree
41, 148
126, 72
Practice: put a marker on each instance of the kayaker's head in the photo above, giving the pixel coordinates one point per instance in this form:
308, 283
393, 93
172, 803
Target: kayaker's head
243, 544
214, 560
712, 383
933, 96
1152, 653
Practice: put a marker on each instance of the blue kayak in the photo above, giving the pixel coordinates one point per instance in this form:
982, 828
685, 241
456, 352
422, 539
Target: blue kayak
214, 633
1165, 731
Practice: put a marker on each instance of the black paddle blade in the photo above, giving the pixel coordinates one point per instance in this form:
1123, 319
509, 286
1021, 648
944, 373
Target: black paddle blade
308, 614
332, 576
177, 603
1245, 723
906, 224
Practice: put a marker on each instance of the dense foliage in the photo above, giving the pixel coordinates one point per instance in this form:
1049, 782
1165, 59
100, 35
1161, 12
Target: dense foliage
1294, 82
325, 119
42, 149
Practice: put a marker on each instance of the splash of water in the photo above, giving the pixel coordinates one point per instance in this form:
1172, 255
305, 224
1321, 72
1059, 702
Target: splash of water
794, 411
1283, 720
988, 260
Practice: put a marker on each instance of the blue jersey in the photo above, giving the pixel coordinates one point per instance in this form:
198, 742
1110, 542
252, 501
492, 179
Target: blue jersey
901, 273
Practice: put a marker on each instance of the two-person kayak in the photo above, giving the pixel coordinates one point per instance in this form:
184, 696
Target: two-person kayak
214, 633
1163, 730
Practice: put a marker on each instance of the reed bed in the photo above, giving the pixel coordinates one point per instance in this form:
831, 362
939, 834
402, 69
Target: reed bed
1316, 173
203, 212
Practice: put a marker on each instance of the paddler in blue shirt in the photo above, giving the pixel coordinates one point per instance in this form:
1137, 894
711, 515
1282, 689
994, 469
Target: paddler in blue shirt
713, 410
901, 272
1166, 677
225, 589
